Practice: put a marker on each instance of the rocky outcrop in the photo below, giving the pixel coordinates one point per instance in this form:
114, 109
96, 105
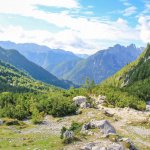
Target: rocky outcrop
81, 101
78, 100
105, 127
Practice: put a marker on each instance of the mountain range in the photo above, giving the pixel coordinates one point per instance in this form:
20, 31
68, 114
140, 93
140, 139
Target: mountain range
44, 56
19, 61
68, 66
103, 64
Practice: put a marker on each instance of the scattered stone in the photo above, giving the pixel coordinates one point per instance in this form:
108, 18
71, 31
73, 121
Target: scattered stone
88, 146
129, 144
100, 100
68, 135
105, 127
86, 126
85, 105
108, 114
115, 146
78, 100
99, 148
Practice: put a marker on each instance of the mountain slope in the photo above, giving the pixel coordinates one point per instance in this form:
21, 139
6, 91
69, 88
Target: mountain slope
44, 56
135, 77
15, 58
103, 64
14, 80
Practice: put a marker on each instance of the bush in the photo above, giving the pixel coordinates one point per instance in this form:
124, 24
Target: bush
10, 122
37, 117
76, 127
59, 106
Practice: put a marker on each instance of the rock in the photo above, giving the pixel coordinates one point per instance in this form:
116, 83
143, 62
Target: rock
68, 135
107, 113
1, 122
88, 146
78, 112
148, 106
85, 105
99, 148
115, 146
105, 127
129, 143
100, 100
86, 126
78, 100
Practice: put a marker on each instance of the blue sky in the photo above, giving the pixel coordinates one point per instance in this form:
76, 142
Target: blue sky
80, 26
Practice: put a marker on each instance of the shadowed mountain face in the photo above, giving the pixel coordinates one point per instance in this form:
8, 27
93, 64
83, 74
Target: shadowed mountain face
19, 61
103, 64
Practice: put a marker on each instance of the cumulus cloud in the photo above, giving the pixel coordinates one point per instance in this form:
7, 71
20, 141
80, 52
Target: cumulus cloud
144, 22
81, 33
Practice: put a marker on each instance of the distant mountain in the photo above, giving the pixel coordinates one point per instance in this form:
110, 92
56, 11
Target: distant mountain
103, 64
49, 59
83, 55
19, 61
134, 77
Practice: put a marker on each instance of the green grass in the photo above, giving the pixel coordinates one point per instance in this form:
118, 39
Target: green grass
15, 141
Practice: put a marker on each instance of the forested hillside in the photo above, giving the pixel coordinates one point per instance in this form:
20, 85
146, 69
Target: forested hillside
19, 61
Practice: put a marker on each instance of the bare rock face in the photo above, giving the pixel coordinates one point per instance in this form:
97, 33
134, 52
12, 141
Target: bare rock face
78, 100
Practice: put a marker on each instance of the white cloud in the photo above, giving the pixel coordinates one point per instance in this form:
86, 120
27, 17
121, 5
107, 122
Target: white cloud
144, 22
82, 33
129, 11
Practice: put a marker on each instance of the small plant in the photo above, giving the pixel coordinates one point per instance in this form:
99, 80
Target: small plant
62, 132
10, 122
75, 127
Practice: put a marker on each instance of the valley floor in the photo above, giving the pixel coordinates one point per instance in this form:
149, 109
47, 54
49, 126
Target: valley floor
128, 123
